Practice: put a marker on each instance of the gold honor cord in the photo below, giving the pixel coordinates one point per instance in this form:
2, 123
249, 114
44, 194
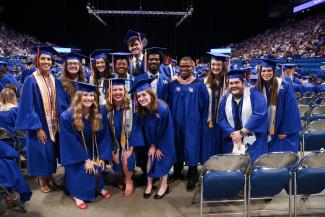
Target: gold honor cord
94, 144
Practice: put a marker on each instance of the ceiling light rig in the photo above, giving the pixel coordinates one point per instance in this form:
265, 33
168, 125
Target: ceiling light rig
96, 13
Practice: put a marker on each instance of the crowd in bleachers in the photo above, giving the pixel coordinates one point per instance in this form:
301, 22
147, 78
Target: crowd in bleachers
304, 38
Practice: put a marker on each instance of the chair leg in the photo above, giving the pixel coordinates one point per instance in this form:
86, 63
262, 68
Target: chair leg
13, 198
295, 194
249, 197
290, 195
201, 198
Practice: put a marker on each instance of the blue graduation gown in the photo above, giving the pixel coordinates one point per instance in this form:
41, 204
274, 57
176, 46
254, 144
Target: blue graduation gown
118, 118
158, 129
73, 156
189, 107
320, 88
211, 137
7, 121
287, 121
9, 79
257, 123
162, 85
41, 158
62, 97
11, 177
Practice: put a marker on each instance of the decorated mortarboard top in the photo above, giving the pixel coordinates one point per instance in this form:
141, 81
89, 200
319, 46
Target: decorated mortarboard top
100, 53
235, 73
267, 63
74, 56
218, 56
85, 87
133, 34
141, 85
44, 49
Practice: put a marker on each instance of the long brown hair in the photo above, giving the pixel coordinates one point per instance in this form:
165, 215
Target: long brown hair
152, 108
273, 87
67, 85
107, 72
211, 77
94, 115
126, 102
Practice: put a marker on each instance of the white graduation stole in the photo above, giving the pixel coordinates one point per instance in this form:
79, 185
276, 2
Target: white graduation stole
245, 115
271, 110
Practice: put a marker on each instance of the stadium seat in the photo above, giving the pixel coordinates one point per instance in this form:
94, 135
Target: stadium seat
268, 176
308, 177
222, 178
304, 111
314, 136
305, 101
317, 113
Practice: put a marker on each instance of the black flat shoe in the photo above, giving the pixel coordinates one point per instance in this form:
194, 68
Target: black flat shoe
190, 186
158, 197
145, 195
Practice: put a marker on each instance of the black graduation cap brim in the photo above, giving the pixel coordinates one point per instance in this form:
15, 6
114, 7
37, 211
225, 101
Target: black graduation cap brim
85, 87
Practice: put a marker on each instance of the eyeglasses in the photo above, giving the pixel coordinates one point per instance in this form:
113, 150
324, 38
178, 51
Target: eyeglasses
73, 63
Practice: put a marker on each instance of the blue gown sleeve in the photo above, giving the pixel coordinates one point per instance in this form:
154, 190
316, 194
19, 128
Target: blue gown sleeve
204, 102
166, 135
104, 139
27, 118
62, 98
258, 120
222, 118
72, 148
7, 152
290, 122
137, 135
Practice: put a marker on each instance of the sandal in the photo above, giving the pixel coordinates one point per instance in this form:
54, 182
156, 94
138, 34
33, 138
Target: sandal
128, 189
81, 205
105, 195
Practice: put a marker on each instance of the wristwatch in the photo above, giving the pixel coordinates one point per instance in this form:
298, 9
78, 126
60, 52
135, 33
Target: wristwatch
242, 133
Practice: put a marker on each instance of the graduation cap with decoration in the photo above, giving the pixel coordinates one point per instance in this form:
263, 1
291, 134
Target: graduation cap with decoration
133, 34
218, 56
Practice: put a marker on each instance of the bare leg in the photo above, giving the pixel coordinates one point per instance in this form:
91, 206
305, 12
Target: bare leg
163, 185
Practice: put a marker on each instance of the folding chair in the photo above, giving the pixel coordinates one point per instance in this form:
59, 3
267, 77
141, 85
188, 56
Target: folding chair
222, 178
317, 113
13, 197
304, 111
305, 101
309, 94
314, 136
270, 174
308, 178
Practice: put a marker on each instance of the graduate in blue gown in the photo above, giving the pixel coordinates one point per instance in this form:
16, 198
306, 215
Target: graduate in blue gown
160, 83
283, 114
72, 70
120, 119
8, 115
11, 177
101, 73
212, 134
38, 116
85, 145
156, 123
6, 78
120, 62
136, 41
243, 118
189, 103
